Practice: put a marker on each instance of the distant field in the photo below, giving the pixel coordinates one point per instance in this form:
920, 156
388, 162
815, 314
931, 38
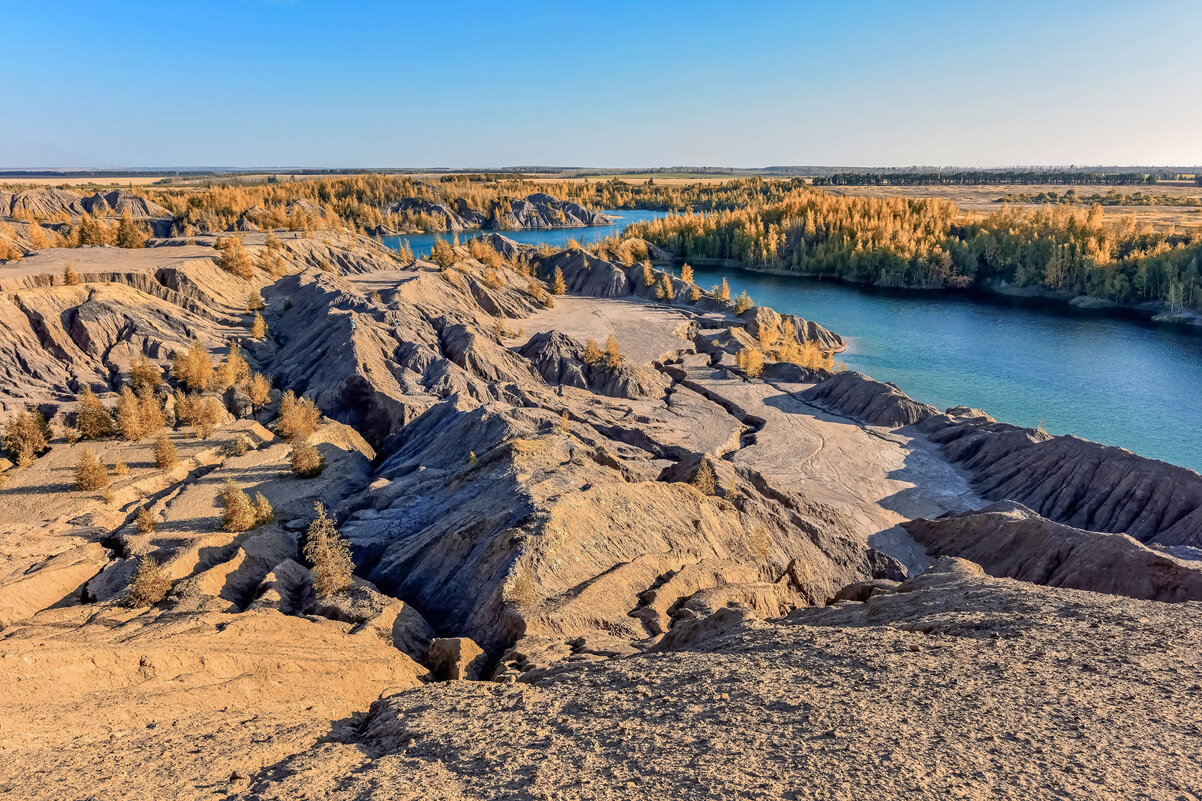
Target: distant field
98, 183
984, 198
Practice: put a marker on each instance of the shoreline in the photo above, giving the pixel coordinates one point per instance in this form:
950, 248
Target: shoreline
1008, 295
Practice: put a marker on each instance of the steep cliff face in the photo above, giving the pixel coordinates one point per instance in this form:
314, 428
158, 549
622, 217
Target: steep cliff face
1073, 481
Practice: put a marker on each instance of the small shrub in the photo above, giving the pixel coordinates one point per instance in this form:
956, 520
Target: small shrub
648, 274
120, 468
329, 554
90, 474
694, 294
264, 514
239, 446
70, 277
238, 513
165, 454
306, 460
704, 479
149, 585
145, 521
254, 301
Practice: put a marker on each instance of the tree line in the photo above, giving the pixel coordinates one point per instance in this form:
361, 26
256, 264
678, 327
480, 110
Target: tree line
924, 242
979, 177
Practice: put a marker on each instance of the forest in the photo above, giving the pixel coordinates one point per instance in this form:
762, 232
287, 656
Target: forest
984, 177
930, 243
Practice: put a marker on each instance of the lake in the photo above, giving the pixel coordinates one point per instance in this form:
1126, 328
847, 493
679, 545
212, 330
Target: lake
420, 244
1117, 381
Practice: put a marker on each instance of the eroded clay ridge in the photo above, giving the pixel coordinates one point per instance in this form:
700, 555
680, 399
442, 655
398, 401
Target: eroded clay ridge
1009, 540
1066, 479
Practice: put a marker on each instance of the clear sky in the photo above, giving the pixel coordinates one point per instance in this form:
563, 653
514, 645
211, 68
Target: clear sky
325, 83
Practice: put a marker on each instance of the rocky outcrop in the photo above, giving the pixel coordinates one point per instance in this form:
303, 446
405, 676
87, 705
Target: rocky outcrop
559, 359
1069, 480
1009, 540
117, 202
576, 542
585, 274
456, 659
541, 210
871, 402
764, 320
45, 204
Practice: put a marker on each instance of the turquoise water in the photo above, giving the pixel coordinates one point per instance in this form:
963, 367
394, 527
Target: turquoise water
1122, 382
1117, 381
420, 244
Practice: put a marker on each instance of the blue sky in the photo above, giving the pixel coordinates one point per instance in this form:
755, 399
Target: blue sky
457, 83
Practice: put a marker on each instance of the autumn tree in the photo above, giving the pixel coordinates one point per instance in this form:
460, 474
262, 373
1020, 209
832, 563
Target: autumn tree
234, 258
750, 361
92, 419
27, 435
592, 353
686, 273
129, 233
298, 418
665, 291
234, 369
722, 291
259, 390
165, 454
144, 374
613, 356
258, 327
442, 254
743, 302
70, 277
193, 367
329, 554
